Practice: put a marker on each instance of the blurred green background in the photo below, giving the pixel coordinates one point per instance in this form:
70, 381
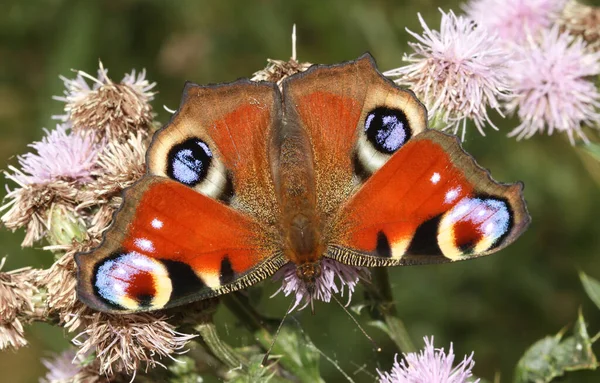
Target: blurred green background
496, 306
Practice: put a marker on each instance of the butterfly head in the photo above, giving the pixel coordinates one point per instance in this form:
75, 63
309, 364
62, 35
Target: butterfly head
309, 273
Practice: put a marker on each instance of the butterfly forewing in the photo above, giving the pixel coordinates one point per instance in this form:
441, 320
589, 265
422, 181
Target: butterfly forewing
236, 124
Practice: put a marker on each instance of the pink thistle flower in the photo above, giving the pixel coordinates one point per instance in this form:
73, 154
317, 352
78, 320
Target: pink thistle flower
513, 20
551, 88
60, 156
61, 368
457, 72
332, 273
430, 365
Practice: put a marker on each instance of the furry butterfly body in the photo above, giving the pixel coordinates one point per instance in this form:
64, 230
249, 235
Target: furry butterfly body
246, 178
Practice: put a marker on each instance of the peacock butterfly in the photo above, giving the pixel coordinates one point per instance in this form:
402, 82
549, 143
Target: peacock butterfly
245, 178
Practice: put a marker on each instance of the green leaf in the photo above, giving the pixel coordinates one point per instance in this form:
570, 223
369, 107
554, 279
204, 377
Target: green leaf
535, 365
591, 287
257, 373
552, 356
298, 355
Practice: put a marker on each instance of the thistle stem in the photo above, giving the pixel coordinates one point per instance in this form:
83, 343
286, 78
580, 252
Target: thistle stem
380, 292
220, 349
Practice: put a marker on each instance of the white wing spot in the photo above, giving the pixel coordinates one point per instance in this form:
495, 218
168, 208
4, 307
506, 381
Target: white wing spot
451, 196
144, 244
157, 223
435, 178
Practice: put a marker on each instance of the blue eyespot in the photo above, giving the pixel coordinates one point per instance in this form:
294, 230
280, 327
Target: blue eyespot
188, 162
387, 129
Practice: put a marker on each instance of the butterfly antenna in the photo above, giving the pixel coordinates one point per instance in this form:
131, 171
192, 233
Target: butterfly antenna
375, 346
266, 357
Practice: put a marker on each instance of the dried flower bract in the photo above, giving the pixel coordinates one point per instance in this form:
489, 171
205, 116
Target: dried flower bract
111, 110
129, 342
16, 299
582, 20
278, 70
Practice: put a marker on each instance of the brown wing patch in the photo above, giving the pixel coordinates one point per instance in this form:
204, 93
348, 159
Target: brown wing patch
236, 122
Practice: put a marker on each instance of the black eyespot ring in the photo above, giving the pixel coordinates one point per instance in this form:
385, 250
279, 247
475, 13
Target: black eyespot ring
189, 161
387, 129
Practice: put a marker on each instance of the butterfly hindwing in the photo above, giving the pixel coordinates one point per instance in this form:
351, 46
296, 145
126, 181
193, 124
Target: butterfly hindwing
429, 203
201, 223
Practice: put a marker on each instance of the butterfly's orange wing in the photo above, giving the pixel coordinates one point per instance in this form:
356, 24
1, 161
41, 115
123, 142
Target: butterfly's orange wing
201, 222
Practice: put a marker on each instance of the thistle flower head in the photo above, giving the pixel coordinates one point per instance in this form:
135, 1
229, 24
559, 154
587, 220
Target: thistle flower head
16, 299
128, 342
109, 109
513, 20
551, 88
60, 279
278, 70
62, 159
582, 20
60, 155
61, 368
457, 72
332, 273
430, 365
120, 164
12, 335
15, 293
